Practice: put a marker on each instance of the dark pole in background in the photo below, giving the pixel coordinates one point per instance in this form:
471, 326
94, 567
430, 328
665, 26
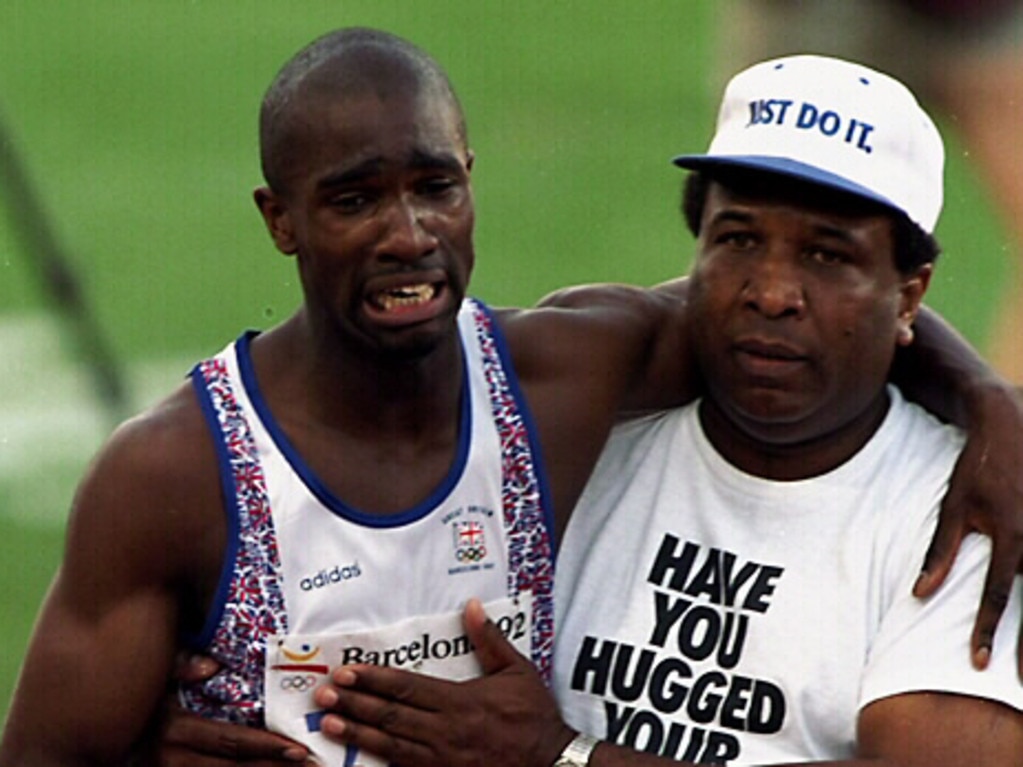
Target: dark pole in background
52, 266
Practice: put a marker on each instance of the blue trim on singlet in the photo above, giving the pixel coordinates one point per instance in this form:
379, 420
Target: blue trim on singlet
321, 491
232, 511
539, 466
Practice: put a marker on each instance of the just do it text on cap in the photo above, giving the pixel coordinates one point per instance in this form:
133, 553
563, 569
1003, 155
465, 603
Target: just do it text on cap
835, 123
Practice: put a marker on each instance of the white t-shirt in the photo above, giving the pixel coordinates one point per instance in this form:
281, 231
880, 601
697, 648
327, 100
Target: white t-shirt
720, 617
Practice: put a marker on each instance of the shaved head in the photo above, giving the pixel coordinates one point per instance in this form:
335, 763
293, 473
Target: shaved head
345, 63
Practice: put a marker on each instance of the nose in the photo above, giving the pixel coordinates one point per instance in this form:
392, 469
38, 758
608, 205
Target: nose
775, 289
404, 235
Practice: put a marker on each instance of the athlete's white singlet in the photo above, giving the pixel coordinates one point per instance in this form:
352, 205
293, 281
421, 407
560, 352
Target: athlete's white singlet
305, 567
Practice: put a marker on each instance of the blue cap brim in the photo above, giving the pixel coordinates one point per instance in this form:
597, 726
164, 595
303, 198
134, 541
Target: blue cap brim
782, 166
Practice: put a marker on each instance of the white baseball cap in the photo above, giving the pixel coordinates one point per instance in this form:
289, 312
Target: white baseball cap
835, 123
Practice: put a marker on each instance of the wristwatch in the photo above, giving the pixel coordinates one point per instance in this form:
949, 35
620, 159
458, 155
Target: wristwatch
577, 752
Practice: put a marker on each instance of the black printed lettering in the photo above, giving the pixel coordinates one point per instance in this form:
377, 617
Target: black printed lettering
666, 614
703, 701
616, 717
351, 655
645, 732
721, 748
667, 694
710, 574
733, 639
736, 702
767, 708
699, 633
678, 565
626, 686
594, 663
512, 626
762, 589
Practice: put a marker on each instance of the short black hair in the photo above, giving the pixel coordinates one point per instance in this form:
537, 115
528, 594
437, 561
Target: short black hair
913, 247
341, 59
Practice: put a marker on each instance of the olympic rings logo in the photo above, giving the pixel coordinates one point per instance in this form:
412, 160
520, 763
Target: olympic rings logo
471, 553
298, 682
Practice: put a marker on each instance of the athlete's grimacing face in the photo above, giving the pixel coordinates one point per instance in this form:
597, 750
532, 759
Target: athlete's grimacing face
798, 309
379, 212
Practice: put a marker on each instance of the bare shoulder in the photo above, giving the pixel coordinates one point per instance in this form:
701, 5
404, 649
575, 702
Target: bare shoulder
614, 324
161, 448
151, 500
615, 296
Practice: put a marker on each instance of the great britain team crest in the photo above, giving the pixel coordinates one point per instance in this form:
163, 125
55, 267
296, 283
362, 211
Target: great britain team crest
470, 541
470, 546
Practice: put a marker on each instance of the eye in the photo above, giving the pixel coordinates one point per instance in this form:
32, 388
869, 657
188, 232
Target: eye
350, 202
827, 257
736, 239
436, 186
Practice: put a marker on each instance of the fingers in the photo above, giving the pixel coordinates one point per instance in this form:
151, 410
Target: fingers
408, 687
392, 749
204, 739
493, 651
189, 759
941, 553
383, 726
373, 707
994, 600
1019, 654
191, 669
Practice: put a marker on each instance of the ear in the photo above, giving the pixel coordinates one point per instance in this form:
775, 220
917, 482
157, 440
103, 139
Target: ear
277, 218
911, 295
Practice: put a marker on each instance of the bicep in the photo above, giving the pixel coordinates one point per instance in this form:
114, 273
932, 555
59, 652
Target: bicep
96, 668
103, 644
929, 729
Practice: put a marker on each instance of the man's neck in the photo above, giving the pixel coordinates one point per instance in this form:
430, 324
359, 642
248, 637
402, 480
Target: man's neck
354, 390
379, 434
771, 456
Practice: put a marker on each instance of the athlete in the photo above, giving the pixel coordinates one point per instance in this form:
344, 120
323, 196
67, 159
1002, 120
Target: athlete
390, 413
374, 452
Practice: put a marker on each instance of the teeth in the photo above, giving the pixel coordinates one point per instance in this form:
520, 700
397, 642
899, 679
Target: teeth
406, 295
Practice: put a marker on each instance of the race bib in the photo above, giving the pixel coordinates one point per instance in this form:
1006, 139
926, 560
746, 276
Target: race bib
435, 645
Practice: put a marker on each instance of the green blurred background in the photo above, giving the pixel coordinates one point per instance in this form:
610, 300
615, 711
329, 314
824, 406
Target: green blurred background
137, 122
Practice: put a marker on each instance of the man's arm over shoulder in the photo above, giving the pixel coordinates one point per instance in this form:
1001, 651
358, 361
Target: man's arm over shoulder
582, 357
942, 372
99, 659
644, 328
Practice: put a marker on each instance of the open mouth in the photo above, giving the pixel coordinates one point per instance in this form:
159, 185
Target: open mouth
400, 304
404, 297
